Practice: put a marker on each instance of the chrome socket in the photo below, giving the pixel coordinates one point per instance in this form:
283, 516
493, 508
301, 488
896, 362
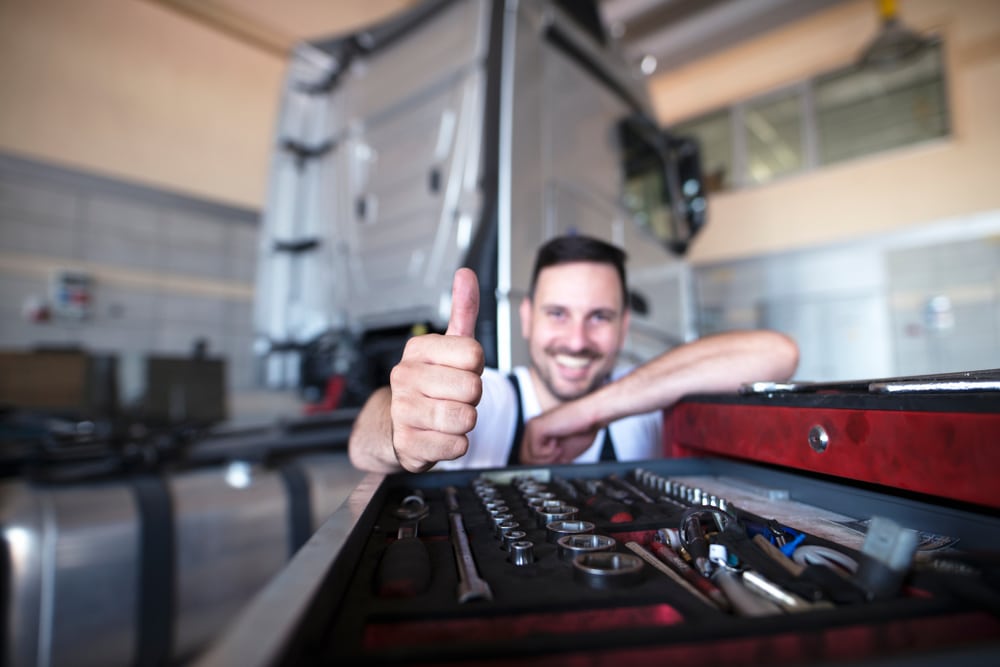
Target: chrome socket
556, 529
547, 515
513, 536
607, 569
571, 546
522, 552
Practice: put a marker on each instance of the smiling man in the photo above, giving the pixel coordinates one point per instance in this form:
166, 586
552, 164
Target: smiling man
574, 403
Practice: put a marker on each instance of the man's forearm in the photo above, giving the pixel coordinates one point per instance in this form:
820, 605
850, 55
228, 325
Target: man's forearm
370, 444
715, 364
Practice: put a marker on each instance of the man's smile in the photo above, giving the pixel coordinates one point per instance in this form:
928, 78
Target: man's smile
573, 361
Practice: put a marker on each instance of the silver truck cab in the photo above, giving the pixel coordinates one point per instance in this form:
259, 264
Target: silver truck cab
462, 133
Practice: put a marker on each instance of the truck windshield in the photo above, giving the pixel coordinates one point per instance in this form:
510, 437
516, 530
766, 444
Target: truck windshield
662, 189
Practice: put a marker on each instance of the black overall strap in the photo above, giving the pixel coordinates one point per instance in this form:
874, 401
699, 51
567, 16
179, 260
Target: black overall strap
515, 447
607, 449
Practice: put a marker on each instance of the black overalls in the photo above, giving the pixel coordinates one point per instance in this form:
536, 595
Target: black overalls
607, 450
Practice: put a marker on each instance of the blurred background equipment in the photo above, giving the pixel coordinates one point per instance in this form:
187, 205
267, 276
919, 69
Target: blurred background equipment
460, 134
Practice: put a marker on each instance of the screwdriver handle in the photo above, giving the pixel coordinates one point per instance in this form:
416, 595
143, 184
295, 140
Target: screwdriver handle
609, 509
405, 569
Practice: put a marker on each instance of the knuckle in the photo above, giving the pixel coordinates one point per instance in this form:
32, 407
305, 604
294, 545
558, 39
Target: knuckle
455, 447
398, 376
455, 418
472, 390
477, 357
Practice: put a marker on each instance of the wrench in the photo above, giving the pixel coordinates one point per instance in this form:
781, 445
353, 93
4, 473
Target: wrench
470, 585
405, 568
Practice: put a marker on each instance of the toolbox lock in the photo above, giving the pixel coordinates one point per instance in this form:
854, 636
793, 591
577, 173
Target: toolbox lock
819, 440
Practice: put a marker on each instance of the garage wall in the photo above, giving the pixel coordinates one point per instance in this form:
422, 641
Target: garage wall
887, 192
165, 270
880, 266
127, 89
134, 145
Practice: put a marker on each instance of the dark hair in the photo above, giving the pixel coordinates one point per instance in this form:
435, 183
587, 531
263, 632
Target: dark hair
575, 248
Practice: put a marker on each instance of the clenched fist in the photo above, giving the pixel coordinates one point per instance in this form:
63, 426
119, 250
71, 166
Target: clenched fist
437, 385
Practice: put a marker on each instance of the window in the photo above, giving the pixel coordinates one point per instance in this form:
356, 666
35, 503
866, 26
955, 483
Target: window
837, 116
773, 131
865, 111
715, 134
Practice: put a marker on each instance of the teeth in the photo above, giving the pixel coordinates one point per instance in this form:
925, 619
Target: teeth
572, 362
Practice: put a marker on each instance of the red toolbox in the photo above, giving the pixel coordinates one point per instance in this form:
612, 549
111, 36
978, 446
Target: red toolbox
933, 435
813, 555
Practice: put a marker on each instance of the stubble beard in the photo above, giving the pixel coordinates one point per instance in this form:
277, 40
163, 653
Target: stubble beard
546, 378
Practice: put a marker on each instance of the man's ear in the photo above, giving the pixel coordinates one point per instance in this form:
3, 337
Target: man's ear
525, 316
626, 321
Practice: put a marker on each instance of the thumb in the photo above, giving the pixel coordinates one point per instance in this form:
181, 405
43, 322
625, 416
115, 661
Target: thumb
464, 304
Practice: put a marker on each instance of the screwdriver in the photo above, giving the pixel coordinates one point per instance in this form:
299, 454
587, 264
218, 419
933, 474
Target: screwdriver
597, 499
405, 568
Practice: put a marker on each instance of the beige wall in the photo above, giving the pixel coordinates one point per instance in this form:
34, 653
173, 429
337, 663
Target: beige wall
886, 192
128, 89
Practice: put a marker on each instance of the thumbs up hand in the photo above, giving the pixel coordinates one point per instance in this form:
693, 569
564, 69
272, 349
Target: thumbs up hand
437, 385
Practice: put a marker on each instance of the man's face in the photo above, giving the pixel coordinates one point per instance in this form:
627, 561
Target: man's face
575, 326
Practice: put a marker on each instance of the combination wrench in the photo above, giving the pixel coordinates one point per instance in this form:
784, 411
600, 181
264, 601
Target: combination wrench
470, 585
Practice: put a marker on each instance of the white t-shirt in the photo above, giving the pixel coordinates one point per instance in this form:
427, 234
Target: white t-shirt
635, 438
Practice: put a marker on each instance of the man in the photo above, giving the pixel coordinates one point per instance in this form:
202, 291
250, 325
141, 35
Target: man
571, 403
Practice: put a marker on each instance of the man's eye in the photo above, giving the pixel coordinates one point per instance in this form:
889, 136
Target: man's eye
602, 317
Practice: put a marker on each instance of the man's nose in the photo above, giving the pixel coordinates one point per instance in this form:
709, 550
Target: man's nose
577, 336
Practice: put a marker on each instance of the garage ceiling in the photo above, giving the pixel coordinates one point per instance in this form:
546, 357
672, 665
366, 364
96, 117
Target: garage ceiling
277, 25
674, 32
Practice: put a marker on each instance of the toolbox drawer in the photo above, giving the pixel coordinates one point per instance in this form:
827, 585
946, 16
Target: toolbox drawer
935, 444
324, 607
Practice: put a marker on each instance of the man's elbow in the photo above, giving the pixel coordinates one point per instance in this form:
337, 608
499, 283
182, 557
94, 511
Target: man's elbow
783, 352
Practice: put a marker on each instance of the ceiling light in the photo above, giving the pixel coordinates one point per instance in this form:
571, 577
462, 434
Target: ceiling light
895, 44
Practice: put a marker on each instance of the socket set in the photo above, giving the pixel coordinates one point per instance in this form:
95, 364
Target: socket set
657, 561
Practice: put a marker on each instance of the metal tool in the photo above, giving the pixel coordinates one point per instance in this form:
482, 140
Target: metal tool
743, 601
470, 585
522, 552
814, 554
405, 568
571, 546
500, 519
512, 536
693, 535
506, 527
761, 585
607, 569
556, 529
547, 515
706, 587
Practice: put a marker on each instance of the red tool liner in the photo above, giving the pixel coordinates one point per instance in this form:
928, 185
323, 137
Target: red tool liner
472, 629
840, 644
949, 455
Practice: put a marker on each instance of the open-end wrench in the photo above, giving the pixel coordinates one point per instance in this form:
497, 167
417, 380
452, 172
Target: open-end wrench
470, 585
405, 568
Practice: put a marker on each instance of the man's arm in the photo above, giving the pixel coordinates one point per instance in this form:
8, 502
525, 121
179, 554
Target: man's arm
430, 405
370, 444
714, 364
